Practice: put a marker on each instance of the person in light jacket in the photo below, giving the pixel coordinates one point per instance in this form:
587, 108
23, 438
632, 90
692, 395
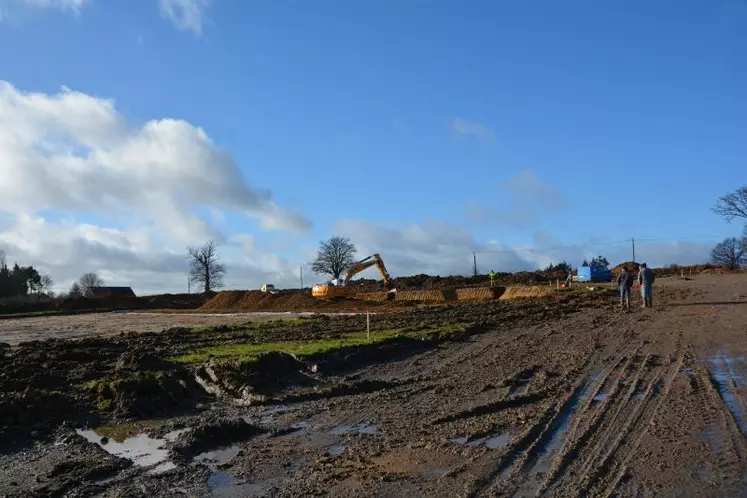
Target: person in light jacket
645, 283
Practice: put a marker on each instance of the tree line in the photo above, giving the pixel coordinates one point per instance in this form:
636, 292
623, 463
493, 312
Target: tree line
21, 281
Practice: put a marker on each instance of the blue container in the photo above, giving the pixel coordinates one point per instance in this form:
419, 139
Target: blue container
594, 274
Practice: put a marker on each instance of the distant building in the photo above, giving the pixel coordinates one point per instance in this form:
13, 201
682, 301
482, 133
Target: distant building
113, 292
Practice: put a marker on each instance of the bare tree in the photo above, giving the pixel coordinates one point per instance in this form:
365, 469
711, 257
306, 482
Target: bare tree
334, 257
46, 284
732, 205
731, 253
75, 290
204, 267
89, 283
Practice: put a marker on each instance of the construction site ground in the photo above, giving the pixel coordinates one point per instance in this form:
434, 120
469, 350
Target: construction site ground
560, 396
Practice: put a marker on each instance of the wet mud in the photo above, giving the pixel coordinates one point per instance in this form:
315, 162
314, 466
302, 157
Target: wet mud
549, 397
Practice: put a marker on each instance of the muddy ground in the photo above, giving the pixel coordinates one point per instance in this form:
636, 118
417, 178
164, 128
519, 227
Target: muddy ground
558, 397
16, 330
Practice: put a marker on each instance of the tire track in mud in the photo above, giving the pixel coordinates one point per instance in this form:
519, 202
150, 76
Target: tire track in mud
601, 429
554, 448
609, 444
541, 441
599, 423
724, 437
647, 414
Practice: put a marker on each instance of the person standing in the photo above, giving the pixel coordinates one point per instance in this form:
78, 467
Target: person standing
492, 278
625, 282
645, 282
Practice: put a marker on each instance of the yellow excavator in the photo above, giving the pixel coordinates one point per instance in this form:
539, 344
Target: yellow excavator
334, 289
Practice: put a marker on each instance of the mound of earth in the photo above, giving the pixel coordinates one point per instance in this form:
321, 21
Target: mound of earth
213, 434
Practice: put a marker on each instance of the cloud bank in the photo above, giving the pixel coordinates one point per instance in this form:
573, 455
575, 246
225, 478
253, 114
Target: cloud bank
70, 156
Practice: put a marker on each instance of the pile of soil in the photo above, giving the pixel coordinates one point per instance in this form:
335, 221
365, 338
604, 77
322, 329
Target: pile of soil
76, 304
257, 300
246, 300
213, 434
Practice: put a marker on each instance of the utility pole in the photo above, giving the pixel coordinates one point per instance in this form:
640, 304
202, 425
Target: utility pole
633, 240
189, 289
301, 268
474, 264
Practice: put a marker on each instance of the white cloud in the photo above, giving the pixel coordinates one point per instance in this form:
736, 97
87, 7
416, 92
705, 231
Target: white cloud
464, 127
528, 198
73, 153
186, 15
434, 247
66, 249
527, 186
8, 8
440, 248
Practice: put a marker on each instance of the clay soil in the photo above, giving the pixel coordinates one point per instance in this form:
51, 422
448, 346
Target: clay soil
565, 396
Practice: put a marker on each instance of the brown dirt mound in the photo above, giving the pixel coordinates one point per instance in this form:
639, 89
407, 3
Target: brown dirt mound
376, 297
479, 293
522, 291
424, 295
256, 301
630, 265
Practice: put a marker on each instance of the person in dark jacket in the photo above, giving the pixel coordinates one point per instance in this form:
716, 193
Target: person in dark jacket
625, 282
645, 282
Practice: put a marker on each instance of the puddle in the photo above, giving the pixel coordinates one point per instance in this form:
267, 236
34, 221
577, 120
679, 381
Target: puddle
714, 437
499, 441
220, 479
142, 449
162, 468
435, 473
726, 373
639, 395
600, 397
219, 456
359, 428
687, 371
300, 425
460, 440
495, 442
225, 485
336, 450
267, 416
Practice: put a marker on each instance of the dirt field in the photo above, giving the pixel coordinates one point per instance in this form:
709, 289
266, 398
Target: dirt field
15, 330
554, 397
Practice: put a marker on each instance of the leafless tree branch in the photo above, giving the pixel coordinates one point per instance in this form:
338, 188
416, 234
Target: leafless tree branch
334, 257
204, 267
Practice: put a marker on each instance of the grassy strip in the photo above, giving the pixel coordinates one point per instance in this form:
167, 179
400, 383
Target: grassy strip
248, 325
249, 352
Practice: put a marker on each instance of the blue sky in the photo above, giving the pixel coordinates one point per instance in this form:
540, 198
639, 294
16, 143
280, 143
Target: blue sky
514, 124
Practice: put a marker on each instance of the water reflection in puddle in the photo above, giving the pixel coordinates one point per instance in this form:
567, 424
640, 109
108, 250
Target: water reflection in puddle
359, 428
142, 449
219, 456
491, 442
336, 450
726, 374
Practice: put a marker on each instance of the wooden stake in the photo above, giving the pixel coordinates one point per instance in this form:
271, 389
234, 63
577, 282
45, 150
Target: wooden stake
368, 326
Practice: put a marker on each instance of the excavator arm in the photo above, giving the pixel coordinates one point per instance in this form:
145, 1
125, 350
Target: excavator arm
367, 263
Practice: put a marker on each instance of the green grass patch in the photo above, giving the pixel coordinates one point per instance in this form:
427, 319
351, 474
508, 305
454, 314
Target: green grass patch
248, 326
249, 352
